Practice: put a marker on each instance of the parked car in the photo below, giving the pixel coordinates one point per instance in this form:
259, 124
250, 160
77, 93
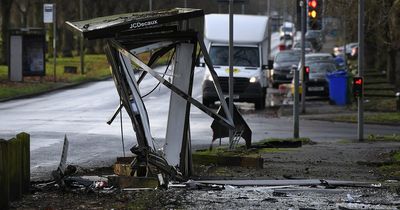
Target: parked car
319, 65
319, 57
308, 47
317, 34
345, 49
318, 85
283, 62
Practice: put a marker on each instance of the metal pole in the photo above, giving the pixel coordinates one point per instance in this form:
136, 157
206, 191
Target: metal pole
122, 130
361, 9
82, 40
269, 8
296, 80
231, 68
345, 42
186, 23
150, 5
303, 57
243, 8
54, 42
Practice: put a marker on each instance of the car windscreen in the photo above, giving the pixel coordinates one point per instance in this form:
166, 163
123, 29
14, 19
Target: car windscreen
242, 56
313, 34
287, 57
321, 67
287, 29
307, 45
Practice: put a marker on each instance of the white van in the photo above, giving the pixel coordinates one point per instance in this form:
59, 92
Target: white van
251, 57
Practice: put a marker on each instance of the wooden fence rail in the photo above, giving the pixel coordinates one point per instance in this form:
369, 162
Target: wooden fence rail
14, 168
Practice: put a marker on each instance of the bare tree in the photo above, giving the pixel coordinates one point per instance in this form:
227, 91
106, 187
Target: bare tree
5, 16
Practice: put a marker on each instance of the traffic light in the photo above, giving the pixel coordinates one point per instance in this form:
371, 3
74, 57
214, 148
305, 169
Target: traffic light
306, 73
314, 14
358, 83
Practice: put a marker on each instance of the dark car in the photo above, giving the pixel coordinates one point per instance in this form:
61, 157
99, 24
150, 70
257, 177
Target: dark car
283, 62
316, 38
316, 34
317, 85
308, 47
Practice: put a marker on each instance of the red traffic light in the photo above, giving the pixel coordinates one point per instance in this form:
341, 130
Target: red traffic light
306, 73
312, 3
307, 68
358, 83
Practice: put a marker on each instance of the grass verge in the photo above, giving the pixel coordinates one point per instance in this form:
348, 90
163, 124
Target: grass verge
96, 68
393, 137
392, 170
377, 118
303, 140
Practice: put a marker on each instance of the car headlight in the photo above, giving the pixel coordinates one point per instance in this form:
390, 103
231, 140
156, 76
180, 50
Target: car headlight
253, 79
210, 78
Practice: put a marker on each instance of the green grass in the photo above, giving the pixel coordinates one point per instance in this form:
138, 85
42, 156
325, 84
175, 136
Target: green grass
224, 151
392, 170
393, 137
253, 152
396, 156
96, 68
303, 140
384, 117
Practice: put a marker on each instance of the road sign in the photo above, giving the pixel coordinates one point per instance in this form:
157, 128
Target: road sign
48, 15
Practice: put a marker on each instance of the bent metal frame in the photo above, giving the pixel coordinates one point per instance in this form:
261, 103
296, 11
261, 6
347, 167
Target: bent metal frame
158, 31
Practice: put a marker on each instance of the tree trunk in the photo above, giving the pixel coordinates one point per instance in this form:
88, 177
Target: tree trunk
397, 69
391, 66
394, 32
5, 11
67, 43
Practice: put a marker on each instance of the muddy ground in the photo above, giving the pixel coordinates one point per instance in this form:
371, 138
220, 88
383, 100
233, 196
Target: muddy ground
341, 160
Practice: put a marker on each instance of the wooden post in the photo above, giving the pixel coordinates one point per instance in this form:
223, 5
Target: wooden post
14, 155
4, 174
24, 139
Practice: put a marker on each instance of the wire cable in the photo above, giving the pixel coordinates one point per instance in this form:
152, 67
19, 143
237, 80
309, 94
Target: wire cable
166, 69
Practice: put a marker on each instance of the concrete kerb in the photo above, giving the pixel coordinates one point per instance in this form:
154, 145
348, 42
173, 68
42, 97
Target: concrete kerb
287, 110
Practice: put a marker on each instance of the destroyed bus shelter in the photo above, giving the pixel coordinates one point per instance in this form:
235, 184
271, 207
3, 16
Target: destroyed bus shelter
128, 35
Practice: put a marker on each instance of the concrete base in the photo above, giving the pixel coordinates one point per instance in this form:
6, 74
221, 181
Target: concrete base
132, 182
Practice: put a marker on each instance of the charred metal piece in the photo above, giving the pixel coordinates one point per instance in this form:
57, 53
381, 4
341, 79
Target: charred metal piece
241, 128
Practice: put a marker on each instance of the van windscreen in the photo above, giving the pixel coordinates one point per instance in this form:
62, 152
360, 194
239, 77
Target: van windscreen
242, 56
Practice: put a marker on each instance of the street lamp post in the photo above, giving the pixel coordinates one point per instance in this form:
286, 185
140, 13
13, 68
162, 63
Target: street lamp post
361, 8
150, 5
81, 39
231, 68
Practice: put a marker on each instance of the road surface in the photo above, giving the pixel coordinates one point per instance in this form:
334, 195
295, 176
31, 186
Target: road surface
81, 114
